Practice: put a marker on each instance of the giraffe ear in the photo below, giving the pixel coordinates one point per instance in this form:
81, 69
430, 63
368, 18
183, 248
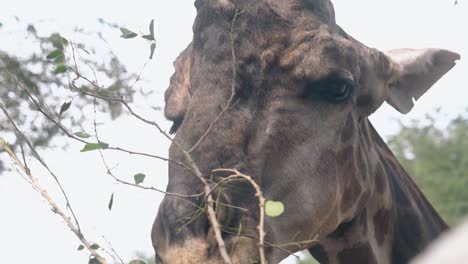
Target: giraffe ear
177, 95
414, 71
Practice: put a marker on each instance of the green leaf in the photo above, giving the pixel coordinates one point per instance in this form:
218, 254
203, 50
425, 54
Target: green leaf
65, 42
273, 208
254, 260
59, 60
31, 29
64, 107
152, 49
139, 178
80, 247
61, 68
148, 37
82, 134
57, 41
137, 261
127, 34
93, 260
54, 54
95, 246
151, 28
125, 31
94, 146
111, 202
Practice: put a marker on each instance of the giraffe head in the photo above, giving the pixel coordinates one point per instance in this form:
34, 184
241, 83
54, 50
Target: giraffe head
299, 91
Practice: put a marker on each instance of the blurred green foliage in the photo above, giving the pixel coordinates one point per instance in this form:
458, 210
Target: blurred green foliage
307, 260
437, 159
46, 63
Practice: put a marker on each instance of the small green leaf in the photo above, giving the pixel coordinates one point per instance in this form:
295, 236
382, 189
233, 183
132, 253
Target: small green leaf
57, 41
273, 208
111, 202
93, 260
148, 37
61, 68
54, 54
127, 34
65, 106
152, 48
255, 260
137, 261
31, 29
65, 42
95, 246
82, 134
80, 247
125, 31
94, 146
139, 178
151, 28
59, 60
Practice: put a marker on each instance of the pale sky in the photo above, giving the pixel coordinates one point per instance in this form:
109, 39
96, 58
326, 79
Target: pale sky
31, 233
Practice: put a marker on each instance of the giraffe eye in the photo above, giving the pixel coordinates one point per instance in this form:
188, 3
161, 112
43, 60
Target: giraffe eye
337, 91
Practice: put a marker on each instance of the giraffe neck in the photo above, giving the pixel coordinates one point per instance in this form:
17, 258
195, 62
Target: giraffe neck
395, 224
416, 223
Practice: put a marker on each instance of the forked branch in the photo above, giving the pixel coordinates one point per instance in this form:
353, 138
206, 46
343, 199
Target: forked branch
261, 204
55, 207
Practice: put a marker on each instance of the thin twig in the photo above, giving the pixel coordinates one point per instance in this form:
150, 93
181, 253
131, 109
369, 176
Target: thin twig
23, 155
261, 205
72, 136
139, 74
43, 163
55, 207
109, 172
233, 84
191, 164
268, 244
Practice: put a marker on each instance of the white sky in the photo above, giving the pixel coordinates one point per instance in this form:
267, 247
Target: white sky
30, 233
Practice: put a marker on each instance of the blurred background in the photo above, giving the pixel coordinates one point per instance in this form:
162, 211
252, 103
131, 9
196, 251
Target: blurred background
431, 141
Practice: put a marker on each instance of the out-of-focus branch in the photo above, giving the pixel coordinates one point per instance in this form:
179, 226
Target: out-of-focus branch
19, 133
72, 136
55, 207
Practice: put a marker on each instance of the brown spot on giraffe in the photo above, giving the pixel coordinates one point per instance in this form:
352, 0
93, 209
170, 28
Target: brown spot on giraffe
382, 225
380, 179
348, 129
352, 192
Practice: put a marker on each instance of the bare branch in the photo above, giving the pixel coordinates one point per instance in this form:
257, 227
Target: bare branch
261, 205
55, 207
109, 172
19, 133
72, 136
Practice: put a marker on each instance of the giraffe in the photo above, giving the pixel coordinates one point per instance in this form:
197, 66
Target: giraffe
395, 226
302, 90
